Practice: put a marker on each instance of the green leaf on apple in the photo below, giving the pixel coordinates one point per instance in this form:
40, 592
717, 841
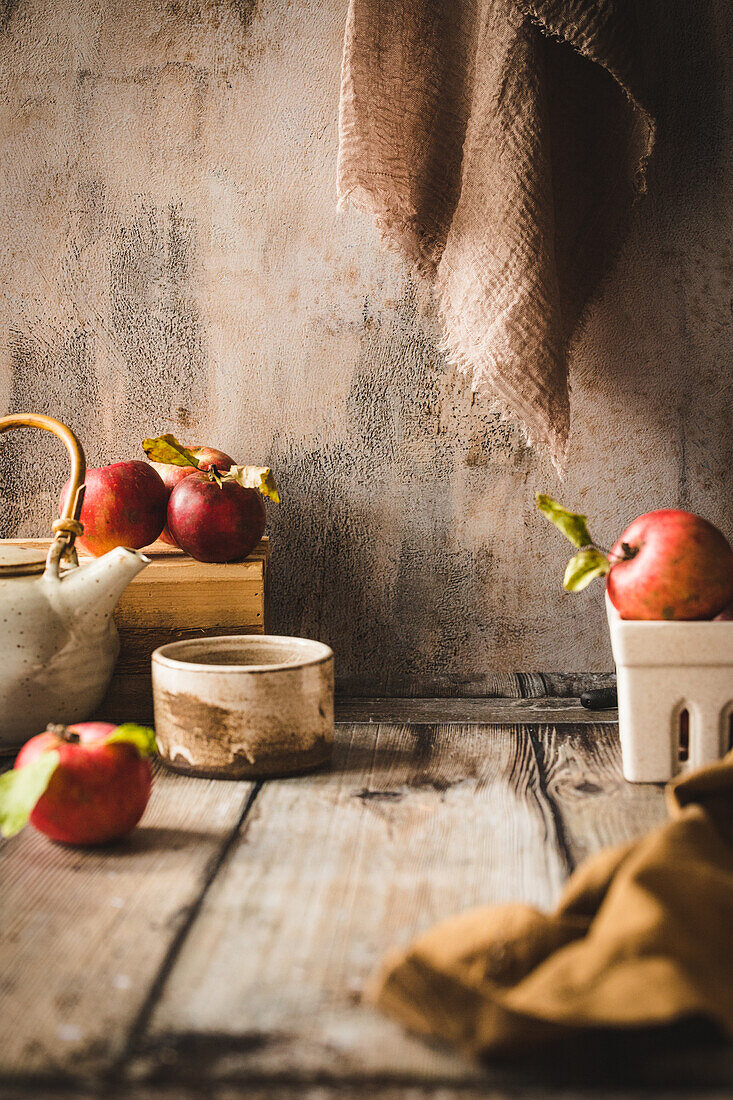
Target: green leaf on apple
20, 790
584, 567
142, 737
255, 477
572, 525
167, 449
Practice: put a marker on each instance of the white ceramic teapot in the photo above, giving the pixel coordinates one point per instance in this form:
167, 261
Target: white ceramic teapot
58, 642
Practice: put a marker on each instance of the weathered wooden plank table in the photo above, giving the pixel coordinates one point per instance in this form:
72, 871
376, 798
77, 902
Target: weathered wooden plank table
222, 950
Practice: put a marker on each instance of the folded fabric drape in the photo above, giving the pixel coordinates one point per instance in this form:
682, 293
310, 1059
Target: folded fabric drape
498, 145
641, 937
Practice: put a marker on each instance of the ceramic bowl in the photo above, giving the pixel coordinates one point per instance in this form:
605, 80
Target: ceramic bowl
243, 706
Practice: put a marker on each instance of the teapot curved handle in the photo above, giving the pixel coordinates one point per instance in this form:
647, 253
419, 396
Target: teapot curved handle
68, 526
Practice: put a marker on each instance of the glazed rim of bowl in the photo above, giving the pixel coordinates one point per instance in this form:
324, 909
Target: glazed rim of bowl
192, 653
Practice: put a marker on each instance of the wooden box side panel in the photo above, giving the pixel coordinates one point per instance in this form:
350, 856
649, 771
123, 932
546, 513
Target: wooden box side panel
150, 615
129, 699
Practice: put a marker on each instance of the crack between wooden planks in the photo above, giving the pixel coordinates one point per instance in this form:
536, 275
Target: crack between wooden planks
557, 821
116, 1071
538, 752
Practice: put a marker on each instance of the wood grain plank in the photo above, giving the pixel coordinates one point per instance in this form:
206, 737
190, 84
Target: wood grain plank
710, 1085
466, 711
447, 685
85, 932
368, 1090
366, 683
594, 804
410, 826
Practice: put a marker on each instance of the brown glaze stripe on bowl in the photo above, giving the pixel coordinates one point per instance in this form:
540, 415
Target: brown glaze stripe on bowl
245, 706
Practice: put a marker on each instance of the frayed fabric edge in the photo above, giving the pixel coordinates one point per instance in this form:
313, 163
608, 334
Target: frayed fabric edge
398, 228
397, 236
487, 383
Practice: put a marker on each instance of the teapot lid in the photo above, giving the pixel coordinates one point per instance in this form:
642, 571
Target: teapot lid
20, 561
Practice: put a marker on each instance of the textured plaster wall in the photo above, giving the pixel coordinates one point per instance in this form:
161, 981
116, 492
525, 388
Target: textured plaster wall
172, 259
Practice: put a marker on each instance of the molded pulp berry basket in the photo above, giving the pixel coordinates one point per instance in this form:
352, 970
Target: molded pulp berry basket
675, 694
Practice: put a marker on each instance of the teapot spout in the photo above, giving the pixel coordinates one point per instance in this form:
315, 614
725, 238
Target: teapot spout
93, 589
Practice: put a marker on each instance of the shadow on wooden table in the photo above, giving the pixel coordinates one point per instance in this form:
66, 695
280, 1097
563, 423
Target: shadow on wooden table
41, 853
147, 837
688, 1053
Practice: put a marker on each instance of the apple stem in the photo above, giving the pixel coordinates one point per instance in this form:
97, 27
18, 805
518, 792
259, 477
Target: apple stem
63, 733
215, 476
629, 552
594, 546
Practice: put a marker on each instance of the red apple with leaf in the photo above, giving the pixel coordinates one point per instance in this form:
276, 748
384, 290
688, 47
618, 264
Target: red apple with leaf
170, 475
124, 505
83, 784
214, 515
667, 564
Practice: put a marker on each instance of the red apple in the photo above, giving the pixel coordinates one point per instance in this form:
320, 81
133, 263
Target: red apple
171, 475
215, 523
674, 565
124, 505
97, 792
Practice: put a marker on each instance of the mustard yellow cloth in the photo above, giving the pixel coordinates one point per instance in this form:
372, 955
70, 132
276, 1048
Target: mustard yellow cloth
643, 936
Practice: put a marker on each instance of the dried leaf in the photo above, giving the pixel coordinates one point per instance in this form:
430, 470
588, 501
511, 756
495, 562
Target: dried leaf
255, 477
167, 449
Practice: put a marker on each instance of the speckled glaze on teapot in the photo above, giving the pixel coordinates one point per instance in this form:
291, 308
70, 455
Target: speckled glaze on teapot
58, 641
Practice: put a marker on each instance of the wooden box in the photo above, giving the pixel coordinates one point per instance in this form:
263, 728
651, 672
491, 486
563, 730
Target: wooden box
176, 597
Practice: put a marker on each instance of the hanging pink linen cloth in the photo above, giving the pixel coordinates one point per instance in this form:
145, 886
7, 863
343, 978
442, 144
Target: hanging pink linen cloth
498, 144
